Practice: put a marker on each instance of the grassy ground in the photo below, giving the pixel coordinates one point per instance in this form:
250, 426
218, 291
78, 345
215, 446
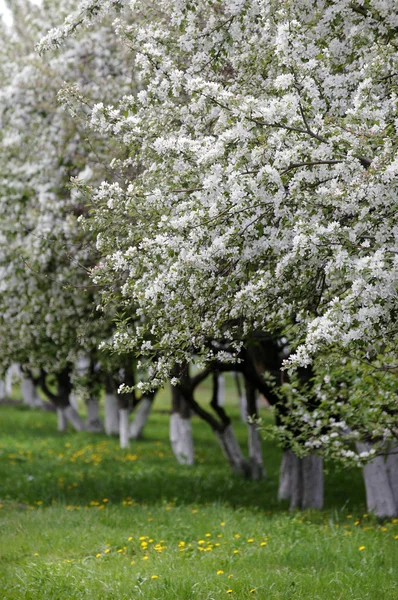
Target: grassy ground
82, 519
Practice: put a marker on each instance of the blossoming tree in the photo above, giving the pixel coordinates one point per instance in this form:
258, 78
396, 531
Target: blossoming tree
258, 193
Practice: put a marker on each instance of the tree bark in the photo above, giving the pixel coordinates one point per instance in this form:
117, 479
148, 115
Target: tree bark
74, 418
301, 481
254, 440
221, 389
61, 420
232, 452
255, 452
111, 414
141, 418
124, 427
379, 493
94, 423
180, 429
29, 393
392, 471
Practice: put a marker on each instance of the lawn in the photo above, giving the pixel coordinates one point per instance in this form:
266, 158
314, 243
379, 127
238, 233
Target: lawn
82, 519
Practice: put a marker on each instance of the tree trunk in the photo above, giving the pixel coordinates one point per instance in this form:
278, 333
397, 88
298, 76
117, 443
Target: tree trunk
29, 394
141, 418
242, 398
221, 389
2, 389
111, 414
73, 401
285, 475
301, 481
255, 452
61, 420
180, 429
392, 471
312, 474
94, 423
379, 494
74, 418
124, 427
254, 440
13, 372
232, 452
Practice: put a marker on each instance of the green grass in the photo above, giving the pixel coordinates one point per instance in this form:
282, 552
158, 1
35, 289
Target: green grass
74, 507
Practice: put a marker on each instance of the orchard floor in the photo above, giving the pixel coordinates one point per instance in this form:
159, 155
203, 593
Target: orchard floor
82, 519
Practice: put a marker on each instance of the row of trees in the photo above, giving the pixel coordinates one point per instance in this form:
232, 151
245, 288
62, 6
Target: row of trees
209, 183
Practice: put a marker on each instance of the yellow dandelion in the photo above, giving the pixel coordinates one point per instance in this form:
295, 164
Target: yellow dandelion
132, 562
107, 550
237, 536
97, 555
144, 558
36, 554
263, 543
252, 590
236, 551
361, 548
105, 500
154, 576
395, 537
194, 510
129, 538
250, 540
207, 534
384, 528
219, 572
229, 591
222, 523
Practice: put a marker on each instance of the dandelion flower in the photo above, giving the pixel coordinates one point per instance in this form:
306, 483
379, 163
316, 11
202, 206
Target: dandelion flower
229, 591
361, 548
154, 576
219, 572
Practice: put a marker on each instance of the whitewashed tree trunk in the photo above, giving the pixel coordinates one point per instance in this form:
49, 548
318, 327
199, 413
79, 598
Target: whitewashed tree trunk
61, 420
255, 452
74, 418
28, 392
174, 432
296, 482
140, 419
2, 389
301, 481
73, 401
181, 439
243, 407
221, 389
13, 372
124, 427
285, 475
379, 494
111, 414
312, 483
94, 423
232, 451
392, 471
